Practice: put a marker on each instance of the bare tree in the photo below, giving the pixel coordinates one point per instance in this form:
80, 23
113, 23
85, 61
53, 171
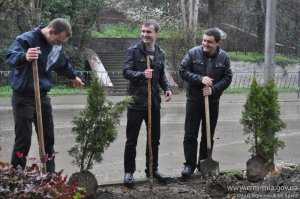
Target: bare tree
270, 41
260, 23
212, 13
189, 9
296, 28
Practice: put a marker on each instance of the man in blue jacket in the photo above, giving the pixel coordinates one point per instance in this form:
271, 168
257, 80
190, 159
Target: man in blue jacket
43, 44
206, 69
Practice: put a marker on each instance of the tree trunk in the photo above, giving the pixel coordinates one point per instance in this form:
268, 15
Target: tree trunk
195, 20
191, 14
270, 41
297, 29
260, 25
189, 9
183, 11
211, 13
35, 11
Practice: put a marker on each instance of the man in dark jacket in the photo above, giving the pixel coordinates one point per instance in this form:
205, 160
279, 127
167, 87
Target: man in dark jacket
135, 70
206, 69
43, 44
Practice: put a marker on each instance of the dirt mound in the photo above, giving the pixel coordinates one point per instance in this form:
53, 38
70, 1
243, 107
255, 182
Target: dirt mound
231, 185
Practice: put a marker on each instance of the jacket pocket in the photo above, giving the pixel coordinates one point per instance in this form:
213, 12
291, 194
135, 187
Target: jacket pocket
141, 64
198, 67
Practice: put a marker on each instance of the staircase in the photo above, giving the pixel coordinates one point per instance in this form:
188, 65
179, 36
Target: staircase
113, 62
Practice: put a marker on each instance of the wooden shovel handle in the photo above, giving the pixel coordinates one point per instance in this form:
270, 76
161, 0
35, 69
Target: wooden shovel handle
149, 130
207, 122
40, 132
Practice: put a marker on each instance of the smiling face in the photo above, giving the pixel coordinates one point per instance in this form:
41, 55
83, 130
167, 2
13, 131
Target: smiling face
148, 34
209, 44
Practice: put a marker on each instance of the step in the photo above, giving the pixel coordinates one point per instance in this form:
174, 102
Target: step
118, 65
111, 56
120, 83
113, 68
117, 77
115, 87
115, 74
112, 61
112, 92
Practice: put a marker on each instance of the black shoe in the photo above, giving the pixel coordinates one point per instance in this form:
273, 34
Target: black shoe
187, 171
128, 180
159, 177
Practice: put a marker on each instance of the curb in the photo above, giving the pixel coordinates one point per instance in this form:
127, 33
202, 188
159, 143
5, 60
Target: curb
143, 181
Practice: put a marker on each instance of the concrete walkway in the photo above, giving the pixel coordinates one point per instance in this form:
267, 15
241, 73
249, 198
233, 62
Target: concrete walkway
230, 148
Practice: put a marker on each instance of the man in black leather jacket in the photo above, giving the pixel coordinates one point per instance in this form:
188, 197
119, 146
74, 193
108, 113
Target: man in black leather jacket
135, 70
206, 70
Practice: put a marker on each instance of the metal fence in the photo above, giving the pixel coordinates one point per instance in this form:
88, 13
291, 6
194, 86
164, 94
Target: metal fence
282, 80
288, 80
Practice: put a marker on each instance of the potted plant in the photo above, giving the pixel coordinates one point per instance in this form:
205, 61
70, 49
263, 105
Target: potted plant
95, 128
261, 122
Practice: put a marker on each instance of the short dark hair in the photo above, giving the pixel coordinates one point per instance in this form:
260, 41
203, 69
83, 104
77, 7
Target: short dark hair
153, 23
60, 25
213, 32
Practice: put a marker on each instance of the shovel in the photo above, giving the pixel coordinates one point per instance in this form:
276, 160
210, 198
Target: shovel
40, 132
208, 167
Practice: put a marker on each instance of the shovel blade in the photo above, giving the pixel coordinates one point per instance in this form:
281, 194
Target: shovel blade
209, 167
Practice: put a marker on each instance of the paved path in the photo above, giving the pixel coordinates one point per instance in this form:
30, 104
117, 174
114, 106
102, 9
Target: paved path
230, 148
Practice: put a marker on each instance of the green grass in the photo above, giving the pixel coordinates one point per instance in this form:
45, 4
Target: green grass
256, 57
66, 90
117, 31
127, 31
6, 91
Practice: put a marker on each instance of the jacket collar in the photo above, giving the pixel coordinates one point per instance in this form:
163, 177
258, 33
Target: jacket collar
38, 30
213, 56
141, 46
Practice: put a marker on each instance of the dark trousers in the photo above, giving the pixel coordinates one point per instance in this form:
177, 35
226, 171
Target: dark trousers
195, 114
24, 115
134, 121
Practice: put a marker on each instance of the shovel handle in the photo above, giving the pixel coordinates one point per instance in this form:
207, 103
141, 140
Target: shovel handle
207, 122
38, 108
149, 130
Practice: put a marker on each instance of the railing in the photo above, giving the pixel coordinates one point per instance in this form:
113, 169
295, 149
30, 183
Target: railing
282, 80
288, 80
85, 75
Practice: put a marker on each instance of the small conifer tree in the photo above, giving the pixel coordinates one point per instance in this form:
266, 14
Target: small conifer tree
95, 127
261, 121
